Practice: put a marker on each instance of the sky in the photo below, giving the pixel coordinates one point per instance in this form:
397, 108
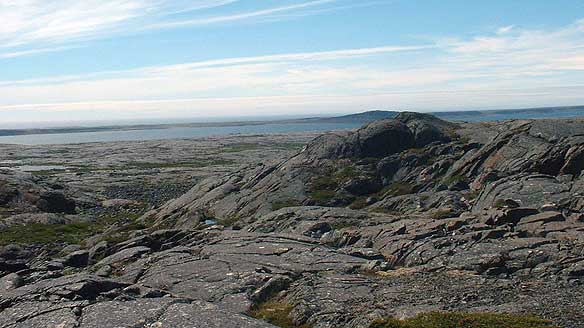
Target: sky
71, 60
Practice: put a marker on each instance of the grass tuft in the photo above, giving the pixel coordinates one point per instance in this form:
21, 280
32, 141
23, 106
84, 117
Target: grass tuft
73, 233
36, 233
227, 222
464, 320
171, 165
276, 312
453, 179
277, 205
359, 203
399, 188
500, 203
322, 196
441, 214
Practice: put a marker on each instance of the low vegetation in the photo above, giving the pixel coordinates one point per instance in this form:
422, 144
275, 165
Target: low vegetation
324, 188
500, 203
227, 222
44, 173
359, 203
74, 233
398, 188
342, 225
441, 214
473, 194
384, 210
170, 165
464, 320
277, 205
289, 145
239, 147
276, 312
454, 179
322, 197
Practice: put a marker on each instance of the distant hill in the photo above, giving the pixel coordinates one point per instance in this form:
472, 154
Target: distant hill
358, 118
364, 117
471, 116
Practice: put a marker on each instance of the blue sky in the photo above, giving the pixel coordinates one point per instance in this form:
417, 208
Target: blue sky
146, 59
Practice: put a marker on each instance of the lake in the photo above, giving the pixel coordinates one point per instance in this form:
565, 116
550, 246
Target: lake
268, 128
172, 133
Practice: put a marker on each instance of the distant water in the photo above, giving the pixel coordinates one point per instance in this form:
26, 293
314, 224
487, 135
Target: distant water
500, 115
268, 128
172, 133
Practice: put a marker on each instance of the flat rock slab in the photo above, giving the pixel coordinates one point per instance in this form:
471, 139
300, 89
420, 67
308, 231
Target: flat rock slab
240, 263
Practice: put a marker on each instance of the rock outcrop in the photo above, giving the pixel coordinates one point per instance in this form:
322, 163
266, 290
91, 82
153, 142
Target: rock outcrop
23, 193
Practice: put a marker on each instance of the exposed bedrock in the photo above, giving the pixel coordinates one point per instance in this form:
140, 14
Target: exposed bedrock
397, 218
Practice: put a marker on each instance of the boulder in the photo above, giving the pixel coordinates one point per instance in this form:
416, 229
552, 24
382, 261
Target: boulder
124, 256
11, 281
77, 259
427, 129
55, 202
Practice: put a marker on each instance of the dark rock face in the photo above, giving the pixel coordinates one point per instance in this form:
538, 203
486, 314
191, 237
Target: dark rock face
428, 216
427, 128
77, 259
383, 138
55, 202
377, 139
7, 193
362, 186
13, 258
22, 193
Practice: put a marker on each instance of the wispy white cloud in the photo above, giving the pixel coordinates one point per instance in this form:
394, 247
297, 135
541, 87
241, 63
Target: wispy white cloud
25, 22
31, 25
505, 29
517, 68
243, 16
296, 57
31, 52
240, 62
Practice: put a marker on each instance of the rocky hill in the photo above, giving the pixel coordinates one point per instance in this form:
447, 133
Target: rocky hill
403, 216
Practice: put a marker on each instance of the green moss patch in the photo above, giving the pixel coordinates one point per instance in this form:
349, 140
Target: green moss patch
276, 312
441, 214
284, 204
472, 194
453, 179
48, 233
399, 188
74, 233
323, 189
228, 222
464, 320
358, 203
500, 203
245, 146
322, 197
239, 147
289, 145
170, 165
45, 173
